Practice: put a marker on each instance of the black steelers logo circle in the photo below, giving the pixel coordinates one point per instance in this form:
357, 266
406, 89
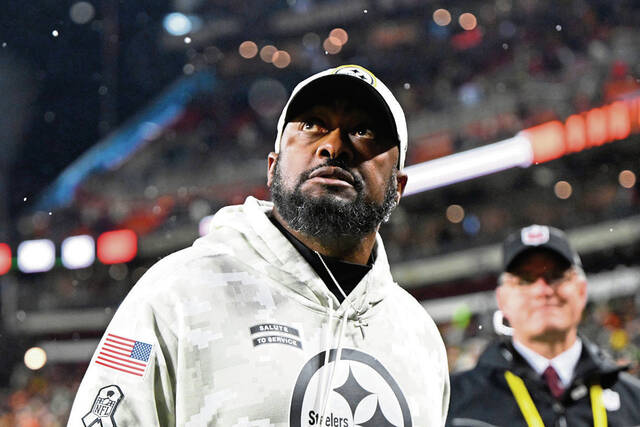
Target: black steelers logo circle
362, 393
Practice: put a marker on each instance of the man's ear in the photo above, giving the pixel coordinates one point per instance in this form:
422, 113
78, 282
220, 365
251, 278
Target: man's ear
271, 166
402, 184
582, 292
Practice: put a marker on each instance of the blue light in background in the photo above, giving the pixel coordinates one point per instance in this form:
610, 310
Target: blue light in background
471, 224
177, 24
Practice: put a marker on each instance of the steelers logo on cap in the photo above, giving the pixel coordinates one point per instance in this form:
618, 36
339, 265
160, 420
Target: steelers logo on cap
357, 72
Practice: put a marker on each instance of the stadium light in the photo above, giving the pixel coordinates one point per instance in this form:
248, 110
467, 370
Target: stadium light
36, 256
5, 258
538, 144
78, 252
115, 247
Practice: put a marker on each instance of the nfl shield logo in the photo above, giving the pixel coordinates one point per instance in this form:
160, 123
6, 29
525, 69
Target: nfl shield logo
104, 406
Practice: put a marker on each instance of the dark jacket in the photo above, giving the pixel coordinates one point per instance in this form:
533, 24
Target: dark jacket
481, 396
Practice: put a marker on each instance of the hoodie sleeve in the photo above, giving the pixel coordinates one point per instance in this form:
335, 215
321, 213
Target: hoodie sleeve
130, 380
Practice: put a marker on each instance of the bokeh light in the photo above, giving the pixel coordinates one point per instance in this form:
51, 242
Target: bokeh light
248, 49
311, 41
188, 68
442, 17
339, 36
468, 21
267, 97
563, 190
281, 59
35, 358
117, 246
471, 224
36, 256
627, 178
330, 46
455, 213
266, 53
82, 12
619, 339
5, 258
78, 251
177, 24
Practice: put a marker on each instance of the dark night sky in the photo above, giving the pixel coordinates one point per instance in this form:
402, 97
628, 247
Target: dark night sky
66, 74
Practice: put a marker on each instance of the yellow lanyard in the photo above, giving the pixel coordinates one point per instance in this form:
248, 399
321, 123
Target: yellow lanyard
530, 413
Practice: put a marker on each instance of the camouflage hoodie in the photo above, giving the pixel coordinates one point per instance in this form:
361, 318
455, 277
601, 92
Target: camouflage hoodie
239, 330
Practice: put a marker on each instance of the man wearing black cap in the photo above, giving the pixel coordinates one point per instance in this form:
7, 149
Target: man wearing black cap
546, 374
286, 313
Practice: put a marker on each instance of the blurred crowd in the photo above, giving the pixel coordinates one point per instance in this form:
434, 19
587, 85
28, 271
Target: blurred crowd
40, 399
460, 90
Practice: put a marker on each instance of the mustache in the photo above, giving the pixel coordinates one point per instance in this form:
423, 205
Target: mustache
358, 183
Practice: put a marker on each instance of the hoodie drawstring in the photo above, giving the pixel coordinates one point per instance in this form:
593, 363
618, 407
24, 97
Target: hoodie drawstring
358, 313
328, 385
327, 344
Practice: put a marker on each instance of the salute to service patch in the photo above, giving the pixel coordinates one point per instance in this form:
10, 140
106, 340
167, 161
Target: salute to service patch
284, 335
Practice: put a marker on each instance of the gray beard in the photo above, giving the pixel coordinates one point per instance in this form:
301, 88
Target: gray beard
328, 218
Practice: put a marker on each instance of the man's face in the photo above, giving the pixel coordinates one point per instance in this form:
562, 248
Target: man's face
542, 297
336, 172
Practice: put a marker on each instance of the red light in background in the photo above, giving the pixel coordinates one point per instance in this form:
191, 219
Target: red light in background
115, 247
575, 133
547, 141
467, 39
5, 258
596, 127
619, 120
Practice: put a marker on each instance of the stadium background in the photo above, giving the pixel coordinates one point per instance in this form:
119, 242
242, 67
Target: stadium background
150, 115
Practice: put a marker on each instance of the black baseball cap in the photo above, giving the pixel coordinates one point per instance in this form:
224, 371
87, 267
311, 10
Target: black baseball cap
537, 236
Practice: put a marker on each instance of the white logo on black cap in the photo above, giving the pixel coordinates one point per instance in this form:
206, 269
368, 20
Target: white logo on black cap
535, 235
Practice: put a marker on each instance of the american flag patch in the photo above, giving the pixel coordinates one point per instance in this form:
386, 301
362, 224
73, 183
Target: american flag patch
124, 354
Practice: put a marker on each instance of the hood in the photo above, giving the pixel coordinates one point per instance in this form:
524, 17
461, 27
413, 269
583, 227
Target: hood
246, 232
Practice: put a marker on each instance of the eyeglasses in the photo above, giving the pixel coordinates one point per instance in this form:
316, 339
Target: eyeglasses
551, 277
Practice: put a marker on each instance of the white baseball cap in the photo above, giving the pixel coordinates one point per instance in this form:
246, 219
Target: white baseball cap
361, 78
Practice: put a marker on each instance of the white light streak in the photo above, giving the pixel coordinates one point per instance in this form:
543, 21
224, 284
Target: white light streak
515, 151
